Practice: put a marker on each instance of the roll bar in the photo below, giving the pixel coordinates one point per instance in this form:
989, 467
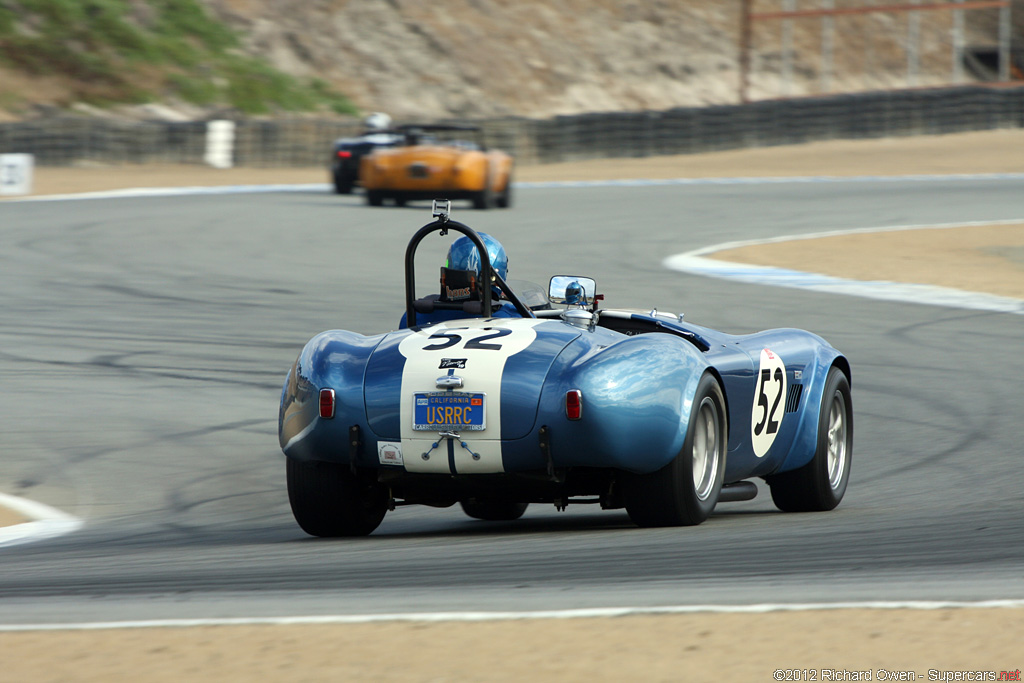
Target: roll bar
442, 225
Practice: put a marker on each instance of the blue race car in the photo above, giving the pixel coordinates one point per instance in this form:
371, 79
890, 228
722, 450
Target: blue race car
560, 402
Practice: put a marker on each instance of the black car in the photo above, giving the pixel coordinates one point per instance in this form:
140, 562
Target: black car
348, 152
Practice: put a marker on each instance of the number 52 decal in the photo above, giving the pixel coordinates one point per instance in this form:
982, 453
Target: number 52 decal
452, 336
485, 340
768, 409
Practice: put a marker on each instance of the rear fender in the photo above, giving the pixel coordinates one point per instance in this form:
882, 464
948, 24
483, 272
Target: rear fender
806, 441
637, 396
337, 360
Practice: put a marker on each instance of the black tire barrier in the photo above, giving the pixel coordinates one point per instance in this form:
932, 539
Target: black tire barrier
68, 140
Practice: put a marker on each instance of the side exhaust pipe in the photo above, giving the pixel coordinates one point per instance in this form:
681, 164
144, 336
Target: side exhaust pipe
737, 491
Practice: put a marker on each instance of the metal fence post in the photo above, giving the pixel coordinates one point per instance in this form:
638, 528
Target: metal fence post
828, 24
1005, 31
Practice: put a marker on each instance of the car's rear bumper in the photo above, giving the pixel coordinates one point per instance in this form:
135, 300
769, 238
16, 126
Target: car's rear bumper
412, 195
538, 486
345, 171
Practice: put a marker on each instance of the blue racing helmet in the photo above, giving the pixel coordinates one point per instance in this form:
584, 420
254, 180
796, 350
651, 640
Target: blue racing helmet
462, 255
575, 295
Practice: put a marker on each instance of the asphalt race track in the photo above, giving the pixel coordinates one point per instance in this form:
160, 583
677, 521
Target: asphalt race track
143, 343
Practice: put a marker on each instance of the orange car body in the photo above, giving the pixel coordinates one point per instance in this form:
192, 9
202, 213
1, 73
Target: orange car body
438, 170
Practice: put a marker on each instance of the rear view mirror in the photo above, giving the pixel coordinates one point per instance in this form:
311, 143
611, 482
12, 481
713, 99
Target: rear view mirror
572, 290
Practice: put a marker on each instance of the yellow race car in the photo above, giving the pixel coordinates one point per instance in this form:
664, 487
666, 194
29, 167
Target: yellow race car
438, 161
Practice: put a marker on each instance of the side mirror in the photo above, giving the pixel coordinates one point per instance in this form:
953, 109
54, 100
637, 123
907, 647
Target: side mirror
571, 290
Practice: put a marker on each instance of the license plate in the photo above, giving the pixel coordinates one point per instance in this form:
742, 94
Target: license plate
447, 411
418, 171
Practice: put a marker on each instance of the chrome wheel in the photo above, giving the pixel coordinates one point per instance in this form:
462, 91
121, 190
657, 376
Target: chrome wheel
685, 491
836, 440
822, 482
706, 454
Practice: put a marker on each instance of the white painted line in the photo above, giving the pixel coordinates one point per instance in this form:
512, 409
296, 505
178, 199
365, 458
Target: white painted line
140, 192
47, 522
851, 231
640, 182
698, 263
589, 613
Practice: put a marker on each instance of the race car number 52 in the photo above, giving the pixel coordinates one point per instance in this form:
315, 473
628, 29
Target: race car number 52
768, 411
484, 342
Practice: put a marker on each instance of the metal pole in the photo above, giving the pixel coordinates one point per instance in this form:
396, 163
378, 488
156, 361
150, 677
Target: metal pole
787, 49
744, 50
827, 33
958, 46
913, 41
1004, 43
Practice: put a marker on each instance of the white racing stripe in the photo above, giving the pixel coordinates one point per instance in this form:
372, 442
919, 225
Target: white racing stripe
483, 372
586, 613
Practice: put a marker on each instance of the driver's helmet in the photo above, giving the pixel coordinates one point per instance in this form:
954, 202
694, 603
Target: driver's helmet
462, 255
574, 294
377, 121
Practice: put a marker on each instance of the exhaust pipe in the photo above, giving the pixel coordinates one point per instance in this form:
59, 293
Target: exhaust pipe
737, 491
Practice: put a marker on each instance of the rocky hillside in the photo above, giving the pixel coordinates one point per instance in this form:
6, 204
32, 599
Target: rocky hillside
543, 57
484, 58
493, 57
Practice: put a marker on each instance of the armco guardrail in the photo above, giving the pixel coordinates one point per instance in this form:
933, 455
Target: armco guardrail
779, 122
62, 141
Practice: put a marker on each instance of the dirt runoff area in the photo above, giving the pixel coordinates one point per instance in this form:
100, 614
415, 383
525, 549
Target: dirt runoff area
8, 517
820, 645
827, 645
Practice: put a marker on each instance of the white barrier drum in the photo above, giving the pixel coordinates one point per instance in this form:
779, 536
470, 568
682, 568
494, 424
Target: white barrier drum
220, 144
16, 173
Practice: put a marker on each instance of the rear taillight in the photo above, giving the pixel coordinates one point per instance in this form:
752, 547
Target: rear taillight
344, 154
574, 404
327, 403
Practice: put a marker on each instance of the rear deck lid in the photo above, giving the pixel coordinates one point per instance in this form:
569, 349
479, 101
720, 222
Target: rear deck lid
502, 363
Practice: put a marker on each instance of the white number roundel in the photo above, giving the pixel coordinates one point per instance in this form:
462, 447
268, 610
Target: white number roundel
769, 402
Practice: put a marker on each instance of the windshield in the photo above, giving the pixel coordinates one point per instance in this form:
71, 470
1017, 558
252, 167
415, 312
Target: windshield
531, 294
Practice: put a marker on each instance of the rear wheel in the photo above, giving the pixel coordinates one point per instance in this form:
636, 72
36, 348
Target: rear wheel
374, 198
328, 500
484, 199
342, 185
504, 199
684, 492
820, 484
493, 511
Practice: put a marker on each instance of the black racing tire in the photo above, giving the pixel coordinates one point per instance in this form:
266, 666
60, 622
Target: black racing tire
374, 198
504, 199
821, 484
484, 199
493, 511
400, 201
684, 492
328, 500
342, 186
